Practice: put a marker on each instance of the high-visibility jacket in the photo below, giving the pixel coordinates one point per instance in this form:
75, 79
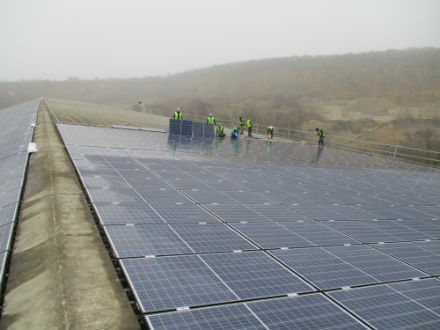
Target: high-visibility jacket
220, 129
211, 120
177, 115
235, 132
249, 123
241, 120
321, 132
270, 128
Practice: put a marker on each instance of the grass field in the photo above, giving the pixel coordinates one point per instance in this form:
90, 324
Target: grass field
94, 114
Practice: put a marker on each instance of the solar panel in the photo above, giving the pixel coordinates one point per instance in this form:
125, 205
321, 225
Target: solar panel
270, 235
209, 197
246, 197
318, 234
395, 306
378, 231
145, 240
208, 130
7, 213
236, 213
273, 205
319, 212
178, 213
162, 196
15, 134
255, 275
425, 292
146, 181
173, 282
302, 312
108, 182
237, 317
430, 228
5, 236
175, 125
312, 311
113, 195
197, 129
337, 267
278, 213
9, 197
421, 255
126, 213
211, 237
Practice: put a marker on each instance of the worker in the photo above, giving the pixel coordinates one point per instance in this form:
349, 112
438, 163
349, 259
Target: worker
220, 131
321, 135
235, 134
270, 131
249, 125
178, 114
241, 123
211, 119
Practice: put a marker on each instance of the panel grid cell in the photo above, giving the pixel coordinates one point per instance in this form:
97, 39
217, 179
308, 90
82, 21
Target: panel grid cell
255, 275
145, 240
211, 237
126, 213
338, 267
393, 306
174, 282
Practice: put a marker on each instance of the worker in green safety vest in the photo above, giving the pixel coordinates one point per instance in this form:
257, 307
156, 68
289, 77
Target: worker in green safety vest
220, 131
249, 125
321, 135
235, 133
211, 119
270, 131
241, 123
178, 114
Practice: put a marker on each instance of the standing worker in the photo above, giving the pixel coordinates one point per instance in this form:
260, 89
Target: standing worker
249, 125
178, 114
211, 119
241, 123
270, 131
321, 135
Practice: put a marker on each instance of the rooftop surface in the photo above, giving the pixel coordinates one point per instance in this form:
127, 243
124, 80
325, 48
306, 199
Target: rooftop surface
245, 234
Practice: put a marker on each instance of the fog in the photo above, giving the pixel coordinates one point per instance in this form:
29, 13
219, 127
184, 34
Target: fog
87, 39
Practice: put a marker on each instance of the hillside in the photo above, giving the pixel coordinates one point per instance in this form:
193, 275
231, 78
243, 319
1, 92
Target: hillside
352, 95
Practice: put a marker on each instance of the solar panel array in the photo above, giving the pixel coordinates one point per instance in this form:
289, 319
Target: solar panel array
220, 240
16, 132
191, 128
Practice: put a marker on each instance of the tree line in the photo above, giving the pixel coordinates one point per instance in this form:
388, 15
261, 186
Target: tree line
412, 75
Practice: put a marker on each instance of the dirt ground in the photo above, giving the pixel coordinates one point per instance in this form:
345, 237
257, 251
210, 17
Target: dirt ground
60, 275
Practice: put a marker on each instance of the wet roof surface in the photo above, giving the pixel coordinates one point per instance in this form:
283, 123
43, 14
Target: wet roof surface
258, 234
257, 151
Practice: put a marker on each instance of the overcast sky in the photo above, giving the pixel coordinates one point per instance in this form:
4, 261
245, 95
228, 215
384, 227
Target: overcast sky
59, 39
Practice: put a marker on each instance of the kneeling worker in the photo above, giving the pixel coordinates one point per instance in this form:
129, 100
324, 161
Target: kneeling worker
220, 131
235, 133
270, 131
